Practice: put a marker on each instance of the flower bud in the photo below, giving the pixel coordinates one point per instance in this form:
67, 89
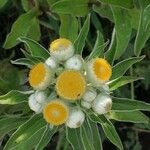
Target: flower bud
89, 95
75, 62
76, 118
102, 104
61, 49
40, 97
51, 62
34, 105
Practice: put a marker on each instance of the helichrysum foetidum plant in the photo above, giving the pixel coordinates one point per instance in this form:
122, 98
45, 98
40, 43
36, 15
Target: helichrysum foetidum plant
70, 94
76, 84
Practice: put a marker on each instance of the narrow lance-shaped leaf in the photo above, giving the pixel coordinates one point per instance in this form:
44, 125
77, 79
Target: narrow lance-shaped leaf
125, 104
143, 32
2, 3
20, 28
75, 7
80, 41
8, 124
46, 137
132, 116
115, 84
120, 68
98, 50
14, 97
27, 135
124, 4
74, 138
35, 48
68, 27
123, 29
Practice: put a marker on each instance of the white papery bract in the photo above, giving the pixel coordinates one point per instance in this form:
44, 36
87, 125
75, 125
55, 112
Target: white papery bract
51, 62
102, 104
75, 62
86, 104
76, 118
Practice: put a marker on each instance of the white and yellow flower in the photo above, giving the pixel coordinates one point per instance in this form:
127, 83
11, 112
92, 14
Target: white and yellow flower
99, 71
40, 76
56, 112
102, 104
76, 118
71, 85
61, 49
75, 62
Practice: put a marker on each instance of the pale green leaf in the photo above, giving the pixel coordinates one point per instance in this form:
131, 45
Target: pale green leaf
8, 124
125, 104
27, 135
132, 116
14, 97
46, 137
34, 31
98, 50
75, 7
74, 138
124, 3
115, 84
68, 27
35, 48
123, 30
80, 41
20, 28
143, 33
120, 68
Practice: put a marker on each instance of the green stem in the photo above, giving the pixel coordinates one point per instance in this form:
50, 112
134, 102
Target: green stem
60, 140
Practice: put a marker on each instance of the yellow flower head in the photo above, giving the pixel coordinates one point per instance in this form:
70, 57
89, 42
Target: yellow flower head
71, 85
99, 70
61, 49
40, 76
56, 112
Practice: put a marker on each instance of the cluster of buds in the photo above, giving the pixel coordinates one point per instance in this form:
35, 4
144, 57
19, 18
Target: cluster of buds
76, 83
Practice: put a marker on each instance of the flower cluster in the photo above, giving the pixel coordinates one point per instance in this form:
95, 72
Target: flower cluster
65, 85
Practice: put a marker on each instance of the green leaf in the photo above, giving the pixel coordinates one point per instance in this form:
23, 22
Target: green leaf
51, 2
76, 7
123, 30
23, 61
143, 33
2, 3
125, 104
34, 31
74, 138
110, 53
112, 134
28, 135
104, 11
46, 137
120, 68
8, 124
14, 97
20, 28
68, 27
98, 50
115, 84
134, 116
124, 4
108, 128
80, 41
36, 49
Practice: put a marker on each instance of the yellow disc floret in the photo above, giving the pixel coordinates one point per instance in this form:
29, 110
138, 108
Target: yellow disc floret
56, 112
70, 85
40, 76
61, 49
99, 71
102, 69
